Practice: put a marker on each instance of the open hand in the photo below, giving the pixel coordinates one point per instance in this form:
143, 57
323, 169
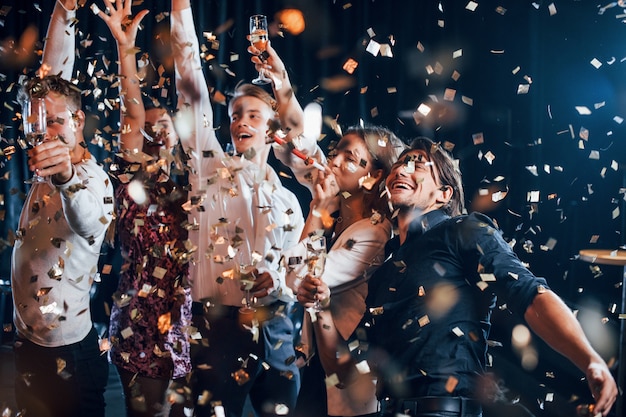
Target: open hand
121, 23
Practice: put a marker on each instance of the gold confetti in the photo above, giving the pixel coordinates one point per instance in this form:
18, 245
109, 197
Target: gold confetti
61, 364
241, 377
451, 383
350, 66
164, 322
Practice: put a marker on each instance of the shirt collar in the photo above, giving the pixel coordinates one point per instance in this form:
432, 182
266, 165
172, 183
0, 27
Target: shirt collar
419, 226
425, 222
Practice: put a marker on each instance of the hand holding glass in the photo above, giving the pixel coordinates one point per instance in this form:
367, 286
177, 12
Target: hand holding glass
258, 39
34, 118
316, 261
246, 278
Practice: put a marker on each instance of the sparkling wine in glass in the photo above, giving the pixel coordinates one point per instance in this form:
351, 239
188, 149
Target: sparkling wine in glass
258, 39
34, 118
245, 264
246, 278
316, 261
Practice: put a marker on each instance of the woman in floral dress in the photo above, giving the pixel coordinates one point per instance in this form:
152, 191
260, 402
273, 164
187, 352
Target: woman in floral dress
152, 305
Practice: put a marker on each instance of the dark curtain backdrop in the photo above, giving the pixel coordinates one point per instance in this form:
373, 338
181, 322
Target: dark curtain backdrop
505, 84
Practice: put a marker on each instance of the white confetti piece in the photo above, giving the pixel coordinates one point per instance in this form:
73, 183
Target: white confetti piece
552, 9
373, 47
471, 6
424, 109
385, 50
533, 196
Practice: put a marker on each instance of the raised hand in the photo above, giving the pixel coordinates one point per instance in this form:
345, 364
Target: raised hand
269, 62
325, 196
123, 26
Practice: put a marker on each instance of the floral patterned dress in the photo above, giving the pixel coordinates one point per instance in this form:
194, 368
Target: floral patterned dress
152, 306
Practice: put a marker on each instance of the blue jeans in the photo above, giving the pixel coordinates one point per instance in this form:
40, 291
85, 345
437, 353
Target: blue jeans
44, 388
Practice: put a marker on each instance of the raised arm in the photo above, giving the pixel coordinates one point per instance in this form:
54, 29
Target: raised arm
133, 114
58, 50
194, 102
552, 320
301, 130
288, 108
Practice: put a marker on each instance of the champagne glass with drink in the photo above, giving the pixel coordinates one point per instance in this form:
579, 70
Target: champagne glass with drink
34, 118
316, 261
245, 272
258, 39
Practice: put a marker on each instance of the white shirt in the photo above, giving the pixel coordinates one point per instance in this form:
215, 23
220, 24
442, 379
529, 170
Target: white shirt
230, 199
56, 257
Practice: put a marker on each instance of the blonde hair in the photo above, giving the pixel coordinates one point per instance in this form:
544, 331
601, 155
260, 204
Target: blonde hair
251, 90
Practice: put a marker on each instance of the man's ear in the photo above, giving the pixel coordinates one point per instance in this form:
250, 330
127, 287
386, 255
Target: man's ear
78, 120
445, 194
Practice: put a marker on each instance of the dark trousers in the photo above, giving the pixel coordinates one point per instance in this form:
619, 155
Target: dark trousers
230, 366
65, 381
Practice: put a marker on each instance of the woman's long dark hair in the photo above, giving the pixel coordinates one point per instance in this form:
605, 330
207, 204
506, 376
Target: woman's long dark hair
384, 147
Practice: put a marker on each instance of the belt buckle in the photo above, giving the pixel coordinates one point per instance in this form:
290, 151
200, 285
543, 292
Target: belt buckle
387, 407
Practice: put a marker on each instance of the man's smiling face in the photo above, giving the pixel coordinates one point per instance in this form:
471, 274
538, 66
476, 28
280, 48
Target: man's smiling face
413, 183
249, 119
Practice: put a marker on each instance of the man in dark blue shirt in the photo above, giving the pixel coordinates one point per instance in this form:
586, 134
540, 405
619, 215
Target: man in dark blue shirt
424, 334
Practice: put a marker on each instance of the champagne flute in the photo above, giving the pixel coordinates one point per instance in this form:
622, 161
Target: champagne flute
246, 278
316, 261
245, 273
34, 118
258, 39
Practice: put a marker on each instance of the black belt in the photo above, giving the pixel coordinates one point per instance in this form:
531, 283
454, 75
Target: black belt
415, 406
